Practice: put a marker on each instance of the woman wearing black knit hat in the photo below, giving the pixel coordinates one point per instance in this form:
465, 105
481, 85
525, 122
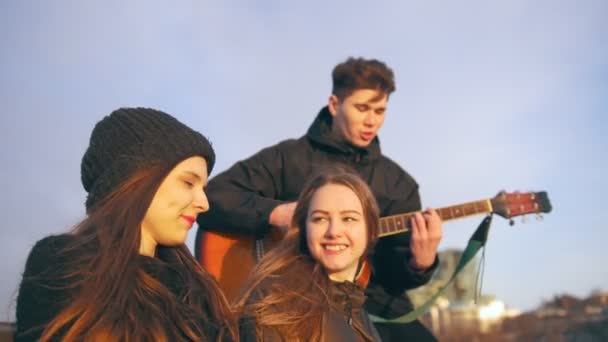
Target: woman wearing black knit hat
124, 273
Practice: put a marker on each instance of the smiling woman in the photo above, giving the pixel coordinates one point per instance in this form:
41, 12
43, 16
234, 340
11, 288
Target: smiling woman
174, 208
304, 289
336, 231
124, 273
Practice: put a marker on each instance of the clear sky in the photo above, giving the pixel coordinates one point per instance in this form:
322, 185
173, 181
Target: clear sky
490, 95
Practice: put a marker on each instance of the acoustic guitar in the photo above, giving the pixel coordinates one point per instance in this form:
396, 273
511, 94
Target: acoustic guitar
231, 257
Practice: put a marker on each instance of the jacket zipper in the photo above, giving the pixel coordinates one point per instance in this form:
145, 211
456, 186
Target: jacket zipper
349, 309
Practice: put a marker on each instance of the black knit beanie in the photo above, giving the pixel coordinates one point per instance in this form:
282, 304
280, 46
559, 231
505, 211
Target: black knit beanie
130, 139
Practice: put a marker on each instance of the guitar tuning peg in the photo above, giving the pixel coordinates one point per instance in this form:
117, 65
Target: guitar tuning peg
511, 222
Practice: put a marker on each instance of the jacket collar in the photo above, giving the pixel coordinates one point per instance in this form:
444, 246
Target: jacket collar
320, 132
347, 297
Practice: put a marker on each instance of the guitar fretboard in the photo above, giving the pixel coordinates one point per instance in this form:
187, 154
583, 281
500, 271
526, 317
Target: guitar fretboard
395, 224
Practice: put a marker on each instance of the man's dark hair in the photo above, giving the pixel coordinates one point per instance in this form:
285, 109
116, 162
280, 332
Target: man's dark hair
359, 73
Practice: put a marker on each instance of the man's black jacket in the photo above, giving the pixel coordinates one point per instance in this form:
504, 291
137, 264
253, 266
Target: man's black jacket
242, 197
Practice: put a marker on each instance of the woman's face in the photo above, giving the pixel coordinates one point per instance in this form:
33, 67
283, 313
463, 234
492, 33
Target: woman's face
175, 206
336, 231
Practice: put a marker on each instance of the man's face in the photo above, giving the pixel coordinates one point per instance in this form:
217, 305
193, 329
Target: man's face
358, 117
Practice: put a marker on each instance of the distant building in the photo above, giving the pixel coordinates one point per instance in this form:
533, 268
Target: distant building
462, 289
564, 318
458, 311
457, 316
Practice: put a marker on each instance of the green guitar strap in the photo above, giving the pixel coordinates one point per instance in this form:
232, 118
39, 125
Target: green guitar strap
476, 242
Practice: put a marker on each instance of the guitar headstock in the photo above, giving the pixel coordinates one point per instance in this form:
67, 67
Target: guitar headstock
511, 204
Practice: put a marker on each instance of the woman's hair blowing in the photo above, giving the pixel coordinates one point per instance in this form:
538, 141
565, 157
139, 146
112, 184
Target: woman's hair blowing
288, 290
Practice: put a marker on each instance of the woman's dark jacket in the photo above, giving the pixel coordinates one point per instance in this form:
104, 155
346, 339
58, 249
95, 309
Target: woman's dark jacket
242, 198
42, 295
345, 314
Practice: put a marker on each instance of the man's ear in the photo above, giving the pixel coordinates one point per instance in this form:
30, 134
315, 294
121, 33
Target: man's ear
332, 104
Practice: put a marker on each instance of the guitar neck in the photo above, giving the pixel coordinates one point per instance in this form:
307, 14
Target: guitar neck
394, 224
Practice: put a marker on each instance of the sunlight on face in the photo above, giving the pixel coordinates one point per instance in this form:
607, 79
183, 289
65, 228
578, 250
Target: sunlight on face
336, 231
175, 206
359, 116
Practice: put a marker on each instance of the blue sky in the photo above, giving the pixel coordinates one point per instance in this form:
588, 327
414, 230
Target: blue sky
490, 95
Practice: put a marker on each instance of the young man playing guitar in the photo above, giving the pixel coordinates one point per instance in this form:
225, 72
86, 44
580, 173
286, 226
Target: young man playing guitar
256, 195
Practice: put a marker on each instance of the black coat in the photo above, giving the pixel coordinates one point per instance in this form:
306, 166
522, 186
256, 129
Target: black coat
346, 312
42, 294
242, 198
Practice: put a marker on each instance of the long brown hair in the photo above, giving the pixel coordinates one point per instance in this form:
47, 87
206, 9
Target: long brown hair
116, 300
288, 290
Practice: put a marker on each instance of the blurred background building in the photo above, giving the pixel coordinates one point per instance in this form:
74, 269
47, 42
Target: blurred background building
462, 314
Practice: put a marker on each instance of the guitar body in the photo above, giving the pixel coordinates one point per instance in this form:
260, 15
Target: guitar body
230, 258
